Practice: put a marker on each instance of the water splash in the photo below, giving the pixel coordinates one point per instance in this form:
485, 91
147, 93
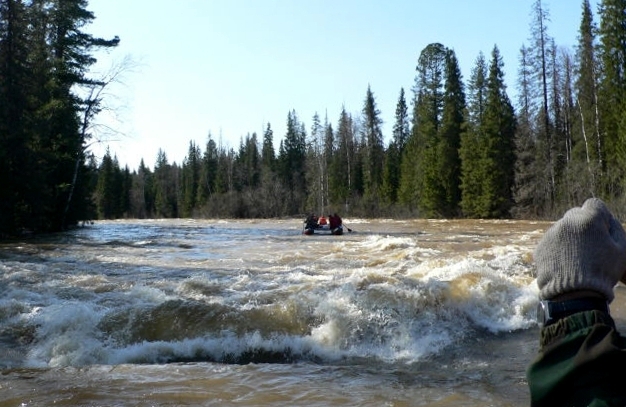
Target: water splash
398, 297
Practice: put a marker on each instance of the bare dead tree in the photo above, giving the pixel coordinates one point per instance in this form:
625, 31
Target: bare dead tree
94, 102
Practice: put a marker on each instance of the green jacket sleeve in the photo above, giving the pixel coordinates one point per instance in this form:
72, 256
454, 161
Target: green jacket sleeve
581, 362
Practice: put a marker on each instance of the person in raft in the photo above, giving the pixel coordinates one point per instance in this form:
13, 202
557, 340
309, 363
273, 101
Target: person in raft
311, 222
322, 221
334, 221
579, 261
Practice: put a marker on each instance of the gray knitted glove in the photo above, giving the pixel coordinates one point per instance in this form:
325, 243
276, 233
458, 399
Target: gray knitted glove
585, 250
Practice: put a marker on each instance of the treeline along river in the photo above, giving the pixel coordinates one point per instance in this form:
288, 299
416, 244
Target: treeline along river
253, 313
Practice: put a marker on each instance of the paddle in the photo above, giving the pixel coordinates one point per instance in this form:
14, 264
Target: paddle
349, 230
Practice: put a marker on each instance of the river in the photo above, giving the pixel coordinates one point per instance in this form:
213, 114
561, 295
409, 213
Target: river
254, 313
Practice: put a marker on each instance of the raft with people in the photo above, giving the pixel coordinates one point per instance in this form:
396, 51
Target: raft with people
331, 225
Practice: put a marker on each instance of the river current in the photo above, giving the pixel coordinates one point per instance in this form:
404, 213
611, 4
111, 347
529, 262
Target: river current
254, 313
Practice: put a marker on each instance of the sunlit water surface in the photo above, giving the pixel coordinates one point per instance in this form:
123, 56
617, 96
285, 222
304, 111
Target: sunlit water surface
253, 313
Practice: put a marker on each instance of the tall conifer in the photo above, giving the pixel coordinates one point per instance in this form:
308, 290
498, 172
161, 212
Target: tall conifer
292, 160
612, 104
190, 173
499, 134
529, 199
373, 146
449, 139
45, 58
342, 170
17, 165
472, 145
420, 186
589, 148
393, 156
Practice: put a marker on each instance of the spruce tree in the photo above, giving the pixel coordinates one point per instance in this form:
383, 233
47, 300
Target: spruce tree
208, 172
420, 187
329, 152
472, 145
373, 146
499, 134
576, 179
247, 165
424, 183
292, 160
107, 194
165, 187
342, 169
142, 202
271, 192
393, 156
449, 139
17, 164
588, 148
247, 177
316, 166
529, 200
124, 191
224, 170
546, 142
612, 93
68, 51
268, 156
190, 182
44, 63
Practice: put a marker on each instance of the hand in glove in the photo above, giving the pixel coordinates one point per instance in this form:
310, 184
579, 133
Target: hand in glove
585, 250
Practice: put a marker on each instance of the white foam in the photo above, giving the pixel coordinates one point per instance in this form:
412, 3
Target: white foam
385, 297
497, 294
67, 336
146, 294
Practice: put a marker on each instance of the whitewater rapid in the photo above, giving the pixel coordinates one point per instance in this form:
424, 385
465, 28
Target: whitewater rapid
396, 294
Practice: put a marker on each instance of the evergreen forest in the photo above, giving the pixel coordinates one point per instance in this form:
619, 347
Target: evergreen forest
459, 147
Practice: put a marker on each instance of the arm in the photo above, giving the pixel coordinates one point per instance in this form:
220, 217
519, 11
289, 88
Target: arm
579, 260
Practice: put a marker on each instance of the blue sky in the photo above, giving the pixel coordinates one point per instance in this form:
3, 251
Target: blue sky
229, 67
